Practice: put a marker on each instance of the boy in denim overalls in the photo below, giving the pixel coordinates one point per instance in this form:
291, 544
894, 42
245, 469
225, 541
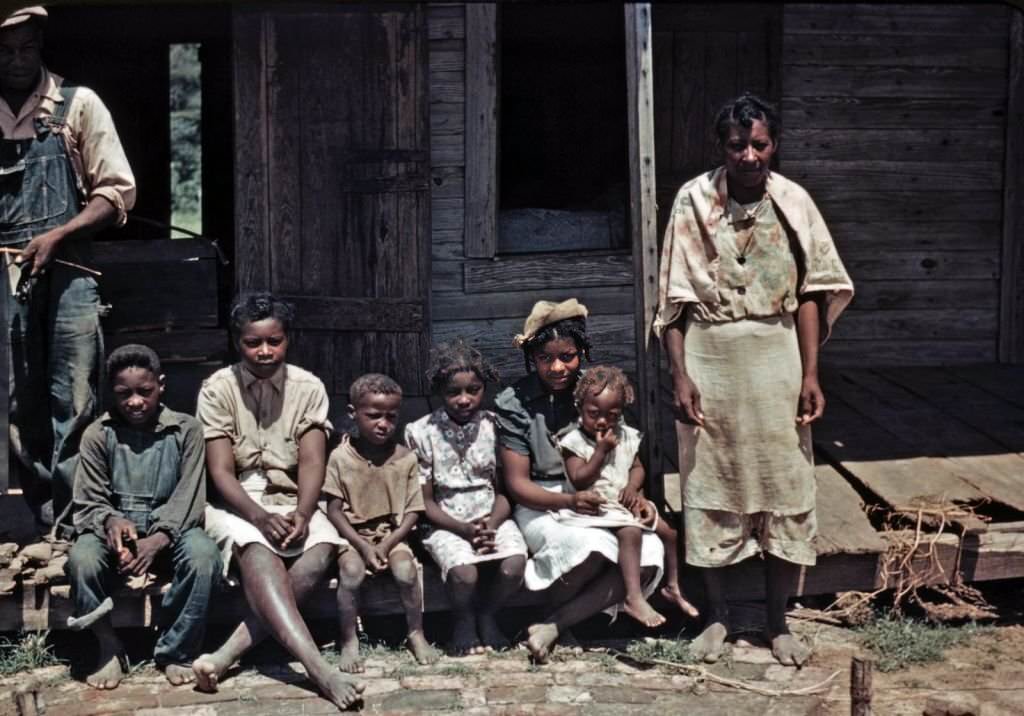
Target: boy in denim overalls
140, 491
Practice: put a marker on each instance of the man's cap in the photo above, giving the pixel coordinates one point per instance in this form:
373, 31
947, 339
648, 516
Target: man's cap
24, 15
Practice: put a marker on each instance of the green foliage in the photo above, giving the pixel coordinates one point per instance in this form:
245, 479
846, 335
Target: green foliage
899, 643
29, 652
674, 650
186, 136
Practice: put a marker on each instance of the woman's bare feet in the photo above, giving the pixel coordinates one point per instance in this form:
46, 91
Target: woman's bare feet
209, 668
340, 689
179, 674
638, 608
490, 633
789, 650
465, 639
709, 645
111, 671
421, 649
349, 660
674, 595
541, 638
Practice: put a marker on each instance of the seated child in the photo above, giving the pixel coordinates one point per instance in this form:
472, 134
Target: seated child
374, 501
600, 454
469, 515
140, 489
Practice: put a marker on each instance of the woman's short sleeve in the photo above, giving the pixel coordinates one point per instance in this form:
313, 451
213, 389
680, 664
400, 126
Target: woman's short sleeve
314, 412
512, 421
214, 410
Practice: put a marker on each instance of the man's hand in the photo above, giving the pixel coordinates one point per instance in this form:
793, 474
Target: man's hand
812, 401
146, 551
274, 527
686, 400
299, 530
587, 502
40, 250
120, 531
629, 496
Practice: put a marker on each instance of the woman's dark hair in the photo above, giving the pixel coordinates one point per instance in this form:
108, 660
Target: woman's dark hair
574, 328
253, 307
447, 359
742, 112
132, 355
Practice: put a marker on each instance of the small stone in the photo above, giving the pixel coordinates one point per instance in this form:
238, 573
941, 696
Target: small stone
952, 704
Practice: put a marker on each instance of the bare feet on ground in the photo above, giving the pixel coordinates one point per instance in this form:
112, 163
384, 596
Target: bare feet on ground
541, 638
349, 660
421, 649
340, 689
674, 595
465, 639
178, 674
491, 634
709, 645
638, 608
789, 650
209, 668
110, 673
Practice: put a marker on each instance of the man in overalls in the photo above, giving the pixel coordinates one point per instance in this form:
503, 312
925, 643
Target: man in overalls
63, 177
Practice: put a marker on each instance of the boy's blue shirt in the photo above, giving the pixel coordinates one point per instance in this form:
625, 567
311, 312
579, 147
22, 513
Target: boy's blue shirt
154, 476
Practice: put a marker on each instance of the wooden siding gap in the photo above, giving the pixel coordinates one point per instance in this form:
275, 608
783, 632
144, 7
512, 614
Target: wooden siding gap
481, 92
1011, 310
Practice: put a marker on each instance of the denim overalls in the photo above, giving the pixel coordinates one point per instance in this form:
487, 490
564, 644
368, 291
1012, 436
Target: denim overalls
56, 344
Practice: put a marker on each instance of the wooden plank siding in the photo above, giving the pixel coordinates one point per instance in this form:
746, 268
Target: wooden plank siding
476, 292
894, 119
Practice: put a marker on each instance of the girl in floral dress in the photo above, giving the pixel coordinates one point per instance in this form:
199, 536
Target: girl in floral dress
469, 517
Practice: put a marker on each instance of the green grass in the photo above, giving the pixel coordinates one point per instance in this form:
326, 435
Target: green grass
28, 652
899, 643
675, 650
455, 670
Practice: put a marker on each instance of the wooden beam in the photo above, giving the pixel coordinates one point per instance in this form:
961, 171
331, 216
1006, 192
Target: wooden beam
643, 213
481, 130
549, 271
5, 388
1011, 313
332, 313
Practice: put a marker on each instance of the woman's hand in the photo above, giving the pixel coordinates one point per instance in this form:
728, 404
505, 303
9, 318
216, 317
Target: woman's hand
274, 527
299, 529
812, 401
686, 400
587, 502
629, 496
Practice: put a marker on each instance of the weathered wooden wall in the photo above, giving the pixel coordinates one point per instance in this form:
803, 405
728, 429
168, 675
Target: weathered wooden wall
894, 120
485, 299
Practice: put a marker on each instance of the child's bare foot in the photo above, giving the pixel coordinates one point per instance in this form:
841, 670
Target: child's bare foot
421, 649
709, 645
638, 608
491, 633
674, 595
541, 639
465, 639
340, 689
209, 668
178, 674
111, 671
349, 660
789, 651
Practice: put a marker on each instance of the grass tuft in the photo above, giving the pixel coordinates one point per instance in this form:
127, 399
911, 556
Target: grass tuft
899, 643
674, 650
29, 652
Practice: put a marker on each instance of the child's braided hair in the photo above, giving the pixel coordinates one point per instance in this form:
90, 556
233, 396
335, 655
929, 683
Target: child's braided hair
574, 328
599, 378
457, 356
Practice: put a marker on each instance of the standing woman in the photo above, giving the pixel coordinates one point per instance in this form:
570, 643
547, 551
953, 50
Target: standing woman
577, 565
750, 285
265, 424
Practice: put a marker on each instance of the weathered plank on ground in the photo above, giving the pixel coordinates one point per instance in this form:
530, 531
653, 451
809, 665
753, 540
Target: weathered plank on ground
843, 527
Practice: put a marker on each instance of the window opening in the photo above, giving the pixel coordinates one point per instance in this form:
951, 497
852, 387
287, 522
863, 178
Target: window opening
186, 138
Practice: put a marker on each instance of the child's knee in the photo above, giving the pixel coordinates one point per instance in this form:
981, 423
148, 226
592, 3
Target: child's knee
351, 571
463, 577
513, 567
403, 569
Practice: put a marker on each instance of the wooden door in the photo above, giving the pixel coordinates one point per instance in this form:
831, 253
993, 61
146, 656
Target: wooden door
705, 54
332, 183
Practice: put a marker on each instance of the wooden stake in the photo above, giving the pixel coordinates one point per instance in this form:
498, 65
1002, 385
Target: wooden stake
860, 686
80, 267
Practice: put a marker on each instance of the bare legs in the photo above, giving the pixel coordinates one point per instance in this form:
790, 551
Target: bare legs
709, 645
111, 658
410, 591
507, 580
476, 629
635, 604
351, 573
273, 594
672, 590
781, 576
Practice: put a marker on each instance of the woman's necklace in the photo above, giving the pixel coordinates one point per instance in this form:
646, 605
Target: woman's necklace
743, 220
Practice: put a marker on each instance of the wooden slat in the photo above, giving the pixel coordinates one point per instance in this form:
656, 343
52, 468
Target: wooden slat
610, 329
517, 304
190, 346
891, 112
893, 82
965, 49
896, 351
110, 253
1002, 380
447, 60
447, 214
897, 19
1011, 313
896, 175
447, 118
550, 271
331, 313
922, 264
481, 130
446, 277
445, 248
447, 182
878, 235
643, 219
966, 324
895, 294
916, 144
445, 23
176, 294
448, 150
5, 389
861, 203
843, 527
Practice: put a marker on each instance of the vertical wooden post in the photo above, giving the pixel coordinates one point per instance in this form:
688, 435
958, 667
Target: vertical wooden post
1011, 299
481, 239
860, 686
5, 388
643, 224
